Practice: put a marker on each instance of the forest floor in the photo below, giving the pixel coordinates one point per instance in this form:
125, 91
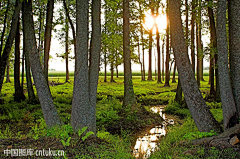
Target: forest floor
22, 125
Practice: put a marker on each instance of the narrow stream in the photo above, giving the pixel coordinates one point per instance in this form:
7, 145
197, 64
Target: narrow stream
147, 144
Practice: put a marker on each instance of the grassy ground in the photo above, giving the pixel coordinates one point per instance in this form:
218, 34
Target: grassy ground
22, 124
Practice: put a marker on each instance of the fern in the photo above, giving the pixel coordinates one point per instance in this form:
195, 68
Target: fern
87, 135
81, 131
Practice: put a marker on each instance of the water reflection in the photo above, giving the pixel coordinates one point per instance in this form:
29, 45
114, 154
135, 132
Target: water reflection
147, 144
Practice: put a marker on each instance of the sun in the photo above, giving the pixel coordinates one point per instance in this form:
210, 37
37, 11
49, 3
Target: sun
150, 21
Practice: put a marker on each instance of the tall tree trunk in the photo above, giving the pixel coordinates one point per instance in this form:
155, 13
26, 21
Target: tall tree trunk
18, 95
178, 97
66, 50
105, 67
167, 73
198, 53
230, 115
234, 48
163, 60
186, 28
47, 36
31, 95
213, 40
116, 66
112, 71
139, 60
9, 42
95, 50
49, 110
8, 72
202, 116
174, 73
192, 35
143, 58
81, 100
158, 53
4, 27
129, 97
71, 24
200, 45
22, 84
150, 52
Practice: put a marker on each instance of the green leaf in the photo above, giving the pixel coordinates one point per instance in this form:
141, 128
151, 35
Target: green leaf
87, 135
81, 131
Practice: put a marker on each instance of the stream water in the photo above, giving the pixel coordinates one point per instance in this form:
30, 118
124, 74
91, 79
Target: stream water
148, 143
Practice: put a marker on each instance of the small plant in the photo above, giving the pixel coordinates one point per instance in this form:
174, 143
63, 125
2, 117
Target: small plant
197, 135
67, 142
81, 131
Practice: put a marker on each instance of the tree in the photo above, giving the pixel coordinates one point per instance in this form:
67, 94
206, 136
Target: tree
234, 49
18, 96
71, 24
202, 116
192, 35
158, 50
213, 40
150, 49
230, 115
142, 40
9, 42
86, 78
31, 95
129, 97
167, 73
49, 110
4, 27
47, 36
66, 49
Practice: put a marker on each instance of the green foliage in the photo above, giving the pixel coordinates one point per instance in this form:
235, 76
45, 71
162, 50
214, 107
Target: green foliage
38, 130
197, 135
67, 142
214, 105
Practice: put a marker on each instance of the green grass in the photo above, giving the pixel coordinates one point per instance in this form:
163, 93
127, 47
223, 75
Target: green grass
25, 120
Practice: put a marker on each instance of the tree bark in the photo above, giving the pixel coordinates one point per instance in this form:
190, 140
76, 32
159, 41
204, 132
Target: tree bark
47, 36
18, 96
158, 54
178, 97
213, 40
129, 97
192, 35
202, 116
67, 50
142, 39
9, 42
95, 50
49, 110
4, 27
234, 48
105, 67
8, 72
112, 71
143, 54
230, 115
23, 59
71, 24
167, 73
81, 100
163, 60
150, 53
174, 73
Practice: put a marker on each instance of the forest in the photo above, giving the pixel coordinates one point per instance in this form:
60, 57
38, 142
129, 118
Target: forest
131, 79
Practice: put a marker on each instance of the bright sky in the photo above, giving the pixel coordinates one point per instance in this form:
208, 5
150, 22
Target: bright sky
59, 64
